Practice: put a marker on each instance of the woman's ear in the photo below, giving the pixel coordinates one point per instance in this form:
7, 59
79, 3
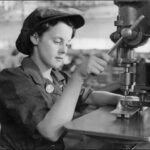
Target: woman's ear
34, 39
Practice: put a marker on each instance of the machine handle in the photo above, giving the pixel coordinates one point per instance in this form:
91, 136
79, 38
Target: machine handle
110, 52
137, 22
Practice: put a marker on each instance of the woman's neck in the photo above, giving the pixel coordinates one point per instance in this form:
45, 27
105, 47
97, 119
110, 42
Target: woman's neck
46, 72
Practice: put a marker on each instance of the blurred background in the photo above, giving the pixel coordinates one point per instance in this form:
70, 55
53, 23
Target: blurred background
91, 38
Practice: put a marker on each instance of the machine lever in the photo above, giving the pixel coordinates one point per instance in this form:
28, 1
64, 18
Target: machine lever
110, 52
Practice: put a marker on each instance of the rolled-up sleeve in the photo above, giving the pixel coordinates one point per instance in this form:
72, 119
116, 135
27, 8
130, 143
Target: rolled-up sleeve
23, 102
85, 92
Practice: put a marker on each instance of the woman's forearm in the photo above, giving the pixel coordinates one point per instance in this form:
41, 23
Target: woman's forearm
101, 98
63, 110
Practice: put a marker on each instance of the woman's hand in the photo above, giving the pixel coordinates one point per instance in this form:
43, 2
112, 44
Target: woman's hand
93, 64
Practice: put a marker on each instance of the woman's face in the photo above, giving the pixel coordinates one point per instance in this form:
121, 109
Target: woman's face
52, 46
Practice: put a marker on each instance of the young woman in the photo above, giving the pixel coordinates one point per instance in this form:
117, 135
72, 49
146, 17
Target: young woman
37, 99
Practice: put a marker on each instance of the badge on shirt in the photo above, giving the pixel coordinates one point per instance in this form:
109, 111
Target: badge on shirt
49, 88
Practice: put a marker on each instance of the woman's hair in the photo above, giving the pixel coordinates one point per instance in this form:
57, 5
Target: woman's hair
46, 26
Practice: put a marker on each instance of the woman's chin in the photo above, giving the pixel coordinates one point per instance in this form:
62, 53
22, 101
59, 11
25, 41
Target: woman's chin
57, 65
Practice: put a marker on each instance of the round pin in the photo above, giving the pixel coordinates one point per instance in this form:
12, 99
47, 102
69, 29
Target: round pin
49, 88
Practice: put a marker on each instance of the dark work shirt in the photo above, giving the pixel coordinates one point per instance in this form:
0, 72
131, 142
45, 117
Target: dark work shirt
25, 99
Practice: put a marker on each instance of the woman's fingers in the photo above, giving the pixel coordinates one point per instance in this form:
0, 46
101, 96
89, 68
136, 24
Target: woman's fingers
96, 68
94, 64
101, 62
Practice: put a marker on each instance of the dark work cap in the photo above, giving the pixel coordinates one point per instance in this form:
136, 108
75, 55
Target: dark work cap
40, 16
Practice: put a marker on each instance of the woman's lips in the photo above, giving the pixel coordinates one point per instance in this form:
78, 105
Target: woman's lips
59, 58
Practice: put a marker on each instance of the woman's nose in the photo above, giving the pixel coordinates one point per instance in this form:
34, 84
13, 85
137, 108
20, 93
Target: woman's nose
63, 48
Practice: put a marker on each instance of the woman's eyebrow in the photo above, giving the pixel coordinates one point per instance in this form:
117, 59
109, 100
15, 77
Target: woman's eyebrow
62, 39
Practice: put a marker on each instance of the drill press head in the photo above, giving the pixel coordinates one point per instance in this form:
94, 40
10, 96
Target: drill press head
128, 13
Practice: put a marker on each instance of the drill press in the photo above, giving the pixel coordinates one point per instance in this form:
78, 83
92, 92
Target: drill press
133, 30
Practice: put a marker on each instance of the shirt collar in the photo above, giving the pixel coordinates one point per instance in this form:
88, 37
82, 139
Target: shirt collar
32, 70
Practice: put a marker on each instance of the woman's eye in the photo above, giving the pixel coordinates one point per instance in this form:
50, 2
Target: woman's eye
57, 41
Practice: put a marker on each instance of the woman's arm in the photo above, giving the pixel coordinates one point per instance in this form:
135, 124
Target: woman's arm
101, 98
62, 111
